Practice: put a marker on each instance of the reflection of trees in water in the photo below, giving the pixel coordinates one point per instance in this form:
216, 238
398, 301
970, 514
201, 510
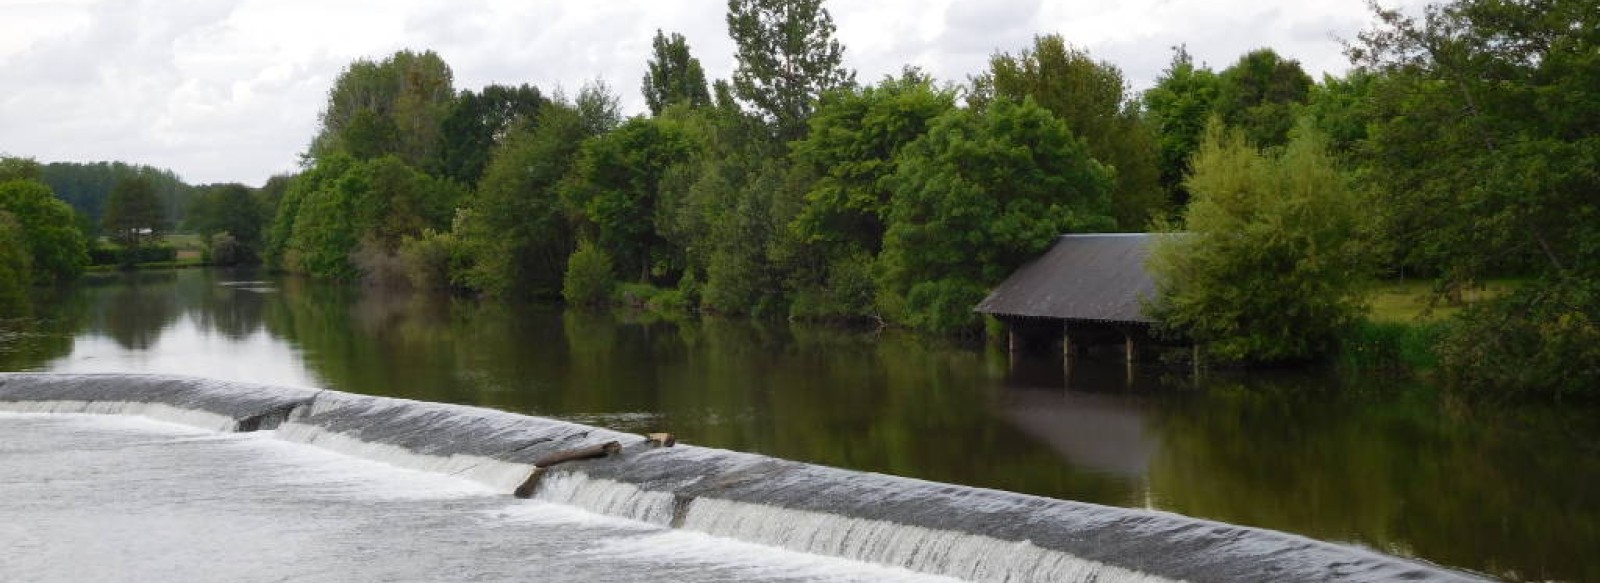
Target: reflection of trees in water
1400, 472
135, 308
217, 301
27, 343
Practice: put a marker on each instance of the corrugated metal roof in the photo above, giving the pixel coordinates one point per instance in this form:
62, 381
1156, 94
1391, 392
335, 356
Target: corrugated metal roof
1098, 277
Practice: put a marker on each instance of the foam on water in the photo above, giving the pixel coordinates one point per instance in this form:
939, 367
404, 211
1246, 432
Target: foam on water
158, 411
965, 556
500, 475
606, 497
902, 525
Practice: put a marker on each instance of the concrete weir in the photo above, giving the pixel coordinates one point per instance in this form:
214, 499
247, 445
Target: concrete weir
968, 533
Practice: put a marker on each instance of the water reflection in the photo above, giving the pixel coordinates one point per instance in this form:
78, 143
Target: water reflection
1400, 469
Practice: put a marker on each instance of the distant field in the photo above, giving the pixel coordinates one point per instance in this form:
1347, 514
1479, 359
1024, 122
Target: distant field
1414, 301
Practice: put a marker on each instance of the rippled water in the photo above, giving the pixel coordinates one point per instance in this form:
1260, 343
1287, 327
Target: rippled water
1503, 489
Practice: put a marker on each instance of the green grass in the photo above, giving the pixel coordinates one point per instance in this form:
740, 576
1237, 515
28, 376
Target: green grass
1414, 301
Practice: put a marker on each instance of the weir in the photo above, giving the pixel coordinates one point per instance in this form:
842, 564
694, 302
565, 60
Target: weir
968, 533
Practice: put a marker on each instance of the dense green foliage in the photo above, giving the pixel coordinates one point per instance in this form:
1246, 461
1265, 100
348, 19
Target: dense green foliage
982, 193
1270, 265
1091, 97
229, 218
787, 58
1483, 151
16, 268
1460, 148
56, 247
673, 76
88, 187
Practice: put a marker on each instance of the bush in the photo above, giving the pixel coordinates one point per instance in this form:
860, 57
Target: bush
1543, 338
847, 295
429, 260
1390, 346
945, 306
588, 280
635, 295
15, 269
134, 256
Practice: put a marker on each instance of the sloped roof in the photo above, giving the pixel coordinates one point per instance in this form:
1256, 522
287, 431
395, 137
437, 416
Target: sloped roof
1098, 277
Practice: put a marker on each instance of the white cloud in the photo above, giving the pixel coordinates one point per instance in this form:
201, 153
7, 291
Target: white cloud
230, 90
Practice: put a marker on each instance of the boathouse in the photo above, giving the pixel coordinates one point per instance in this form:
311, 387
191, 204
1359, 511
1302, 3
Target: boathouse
1087, 290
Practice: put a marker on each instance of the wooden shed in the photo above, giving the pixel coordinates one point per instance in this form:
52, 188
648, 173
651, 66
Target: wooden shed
1086, 290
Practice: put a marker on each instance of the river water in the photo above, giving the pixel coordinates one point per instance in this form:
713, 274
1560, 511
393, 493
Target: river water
1513, 491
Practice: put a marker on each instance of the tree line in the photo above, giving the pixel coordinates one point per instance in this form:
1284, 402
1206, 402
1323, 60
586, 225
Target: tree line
1459, 148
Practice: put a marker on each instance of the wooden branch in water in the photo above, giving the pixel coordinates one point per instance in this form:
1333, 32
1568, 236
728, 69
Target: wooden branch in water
662, 439
528, 486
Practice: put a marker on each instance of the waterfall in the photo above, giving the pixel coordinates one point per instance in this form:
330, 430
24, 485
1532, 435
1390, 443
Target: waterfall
158, 411
497, 474
940, 552
969, 533
606, 497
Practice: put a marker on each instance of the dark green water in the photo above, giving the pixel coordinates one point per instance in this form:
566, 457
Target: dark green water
1508, 490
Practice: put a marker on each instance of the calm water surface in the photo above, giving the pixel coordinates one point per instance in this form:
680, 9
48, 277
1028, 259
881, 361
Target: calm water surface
1508, 490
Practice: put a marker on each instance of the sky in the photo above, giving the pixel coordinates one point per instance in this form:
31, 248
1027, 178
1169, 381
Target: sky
230, 90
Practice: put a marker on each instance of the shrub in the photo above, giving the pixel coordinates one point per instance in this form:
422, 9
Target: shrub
588, 280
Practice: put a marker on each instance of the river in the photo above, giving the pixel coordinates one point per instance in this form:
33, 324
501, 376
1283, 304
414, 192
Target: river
1508, 490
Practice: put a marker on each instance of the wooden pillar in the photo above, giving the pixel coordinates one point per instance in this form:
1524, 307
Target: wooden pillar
1131, 352
1011, 339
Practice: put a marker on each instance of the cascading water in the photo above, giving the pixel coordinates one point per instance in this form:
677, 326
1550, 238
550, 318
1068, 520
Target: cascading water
968, 533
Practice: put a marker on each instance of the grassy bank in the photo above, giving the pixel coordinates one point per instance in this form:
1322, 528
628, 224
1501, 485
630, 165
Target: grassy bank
1405, 322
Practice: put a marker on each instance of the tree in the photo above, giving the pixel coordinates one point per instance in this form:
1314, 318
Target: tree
57, 249
477, 122
787, 58
16, 267
133, 213
1486, 161
513, 228
12, 168
1178, 106
1259, 94
982, 193
395, 106
614, 190
1091, 97
87, 187
230, 209
673, 76
854, 146
365, 210
1272, 259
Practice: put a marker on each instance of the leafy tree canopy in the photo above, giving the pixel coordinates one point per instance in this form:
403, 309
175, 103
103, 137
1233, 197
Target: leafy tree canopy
982, 193
1272, 261
787, 58
673, 76
57, 249
134, 216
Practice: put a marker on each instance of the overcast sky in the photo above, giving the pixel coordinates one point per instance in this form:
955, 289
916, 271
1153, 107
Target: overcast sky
229, 90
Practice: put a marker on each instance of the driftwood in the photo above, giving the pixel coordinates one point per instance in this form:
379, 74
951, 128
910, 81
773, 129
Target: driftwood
583, 453
662, 439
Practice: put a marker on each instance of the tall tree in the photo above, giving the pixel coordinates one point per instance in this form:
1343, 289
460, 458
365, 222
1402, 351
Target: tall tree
134, 217
787, 57
16, 268
673, 76
1178, 106
477, 122
1487, 160
229, 214
1259, 94
1272, 261
1092, 98
394, 106
983, 192
56, 247
854, 145
513, 228
614, 190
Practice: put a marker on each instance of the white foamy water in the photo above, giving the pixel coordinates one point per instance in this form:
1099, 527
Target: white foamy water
155, 411
113, 499
965, 556
496, 474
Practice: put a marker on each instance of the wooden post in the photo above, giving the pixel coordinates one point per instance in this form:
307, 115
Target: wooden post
1131, 352
1011, 339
